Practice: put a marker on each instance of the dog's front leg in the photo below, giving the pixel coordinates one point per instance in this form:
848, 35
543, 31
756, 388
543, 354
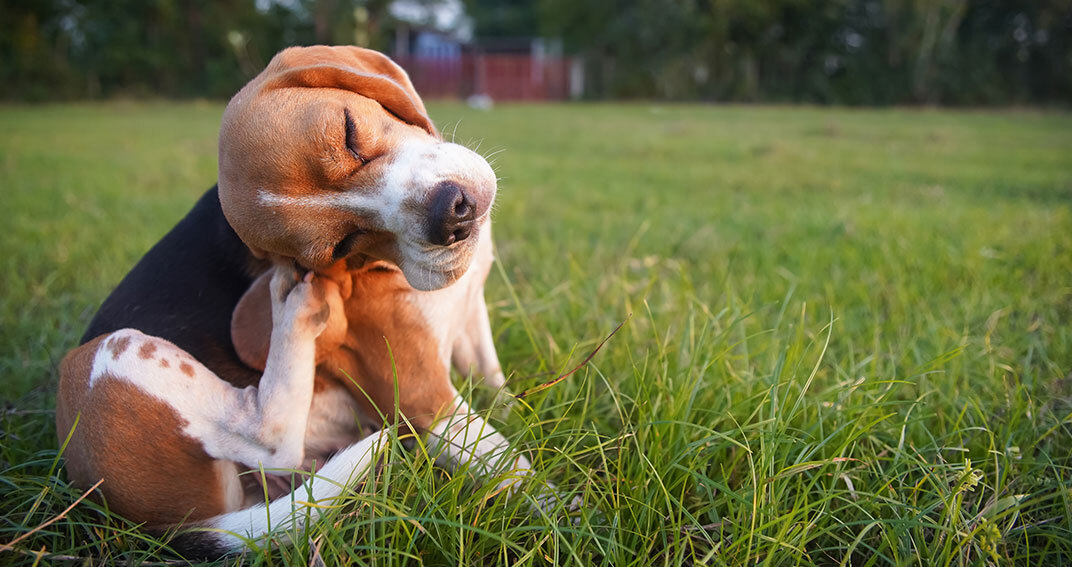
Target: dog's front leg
465, 438
474, 349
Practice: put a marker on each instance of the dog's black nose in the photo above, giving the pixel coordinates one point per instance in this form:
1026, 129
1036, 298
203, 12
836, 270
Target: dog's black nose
452, 215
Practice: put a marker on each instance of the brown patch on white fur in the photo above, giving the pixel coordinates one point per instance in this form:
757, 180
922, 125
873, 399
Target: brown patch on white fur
159, 482
147, 349
117, 346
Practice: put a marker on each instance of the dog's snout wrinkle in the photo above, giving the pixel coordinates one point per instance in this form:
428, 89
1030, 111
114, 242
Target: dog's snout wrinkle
348, 243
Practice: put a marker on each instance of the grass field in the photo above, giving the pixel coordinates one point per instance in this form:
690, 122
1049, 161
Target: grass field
848, 336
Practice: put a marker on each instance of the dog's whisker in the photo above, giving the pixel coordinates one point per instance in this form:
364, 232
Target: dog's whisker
473, 144
454, 134
493, 153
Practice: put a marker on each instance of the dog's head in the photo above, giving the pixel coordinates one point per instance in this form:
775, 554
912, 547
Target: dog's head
329, 155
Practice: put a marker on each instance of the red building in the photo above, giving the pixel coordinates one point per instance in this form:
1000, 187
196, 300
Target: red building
443, 61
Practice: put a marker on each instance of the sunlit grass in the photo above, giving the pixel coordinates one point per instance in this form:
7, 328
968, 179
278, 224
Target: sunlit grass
848, 336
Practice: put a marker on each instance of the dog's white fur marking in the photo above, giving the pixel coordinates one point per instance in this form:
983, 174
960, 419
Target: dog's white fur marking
418, 168
477, 349
465, 439
444, 309
350, 201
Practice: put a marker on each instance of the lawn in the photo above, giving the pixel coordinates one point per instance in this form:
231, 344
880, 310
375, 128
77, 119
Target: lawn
847, 338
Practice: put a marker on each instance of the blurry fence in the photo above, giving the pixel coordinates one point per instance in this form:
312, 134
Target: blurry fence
502, 77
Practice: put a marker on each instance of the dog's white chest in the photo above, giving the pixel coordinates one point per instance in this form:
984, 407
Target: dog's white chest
448, 311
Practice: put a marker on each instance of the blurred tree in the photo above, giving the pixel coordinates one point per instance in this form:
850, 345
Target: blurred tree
504, 18
842, 51
34, 48
828, 51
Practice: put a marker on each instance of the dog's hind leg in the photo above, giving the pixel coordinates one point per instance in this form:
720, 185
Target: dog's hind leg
465, 438
265, 426
166, 434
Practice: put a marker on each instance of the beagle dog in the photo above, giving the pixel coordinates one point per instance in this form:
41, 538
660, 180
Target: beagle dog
340, 260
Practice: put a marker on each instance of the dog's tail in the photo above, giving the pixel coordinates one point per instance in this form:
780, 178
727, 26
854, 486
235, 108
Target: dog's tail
231, 532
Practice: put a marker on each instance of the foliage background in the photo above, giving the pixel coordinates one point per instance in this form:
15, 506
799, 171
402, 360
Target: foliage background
872, 52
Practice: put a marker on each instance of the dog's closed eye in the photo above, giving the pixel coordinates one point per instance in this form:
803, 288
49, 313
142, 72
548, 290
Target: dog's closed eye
351, 138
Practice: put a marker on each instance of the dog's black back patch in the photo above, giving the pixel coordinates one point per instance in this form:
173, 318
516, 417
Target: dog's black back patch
185, 288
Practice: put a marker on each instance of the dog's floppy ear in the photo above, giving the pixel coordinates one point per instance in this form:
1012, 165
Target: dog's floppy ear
363, 71
251, 323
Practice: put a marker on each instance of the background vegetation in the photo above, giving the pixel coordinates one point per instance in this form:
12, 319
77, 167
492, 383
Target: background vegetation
848, 336
871, 52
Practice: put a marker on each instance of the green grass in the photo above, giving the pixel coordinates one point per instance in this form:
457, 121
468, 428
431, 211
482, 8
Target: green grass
849, 335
